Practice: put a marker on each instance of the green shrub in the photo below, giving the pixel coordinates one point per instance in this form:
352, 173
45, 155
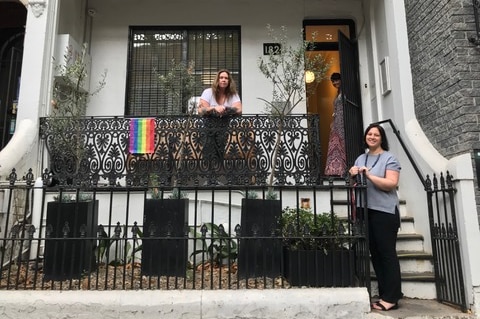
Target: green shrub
301, 229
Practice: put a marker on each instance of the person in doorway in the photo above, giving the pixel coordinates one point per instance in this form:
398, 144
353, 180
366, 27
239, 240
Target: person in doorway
336, 164
382, 172
218, 104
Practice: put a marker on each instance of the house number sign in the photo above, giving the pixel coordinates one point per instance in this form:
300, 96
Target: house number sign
272, 48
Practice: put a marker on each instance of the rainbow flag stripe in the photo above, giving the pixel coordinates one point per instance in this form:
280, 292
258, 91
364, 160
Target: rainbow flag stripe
142, 136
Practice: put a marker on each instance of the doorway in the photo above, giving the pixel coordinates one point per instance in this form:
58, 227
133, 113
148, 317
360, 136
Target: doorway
327, 43
13, 17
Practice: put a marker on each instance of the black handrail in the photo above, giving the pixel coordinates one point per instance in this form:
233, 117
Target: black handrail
405, 149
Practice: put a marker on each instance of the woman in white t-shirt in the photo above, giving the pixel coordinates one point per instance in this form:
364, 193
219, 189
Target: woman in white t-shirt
222, 98
217, 105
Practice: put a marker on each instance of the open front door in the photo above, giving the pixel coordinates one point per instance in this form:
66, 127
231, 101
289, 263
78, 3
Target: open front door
352, 107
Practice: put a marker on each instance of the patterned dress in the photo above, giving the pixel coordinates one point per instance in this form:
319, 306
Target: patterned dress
336, 164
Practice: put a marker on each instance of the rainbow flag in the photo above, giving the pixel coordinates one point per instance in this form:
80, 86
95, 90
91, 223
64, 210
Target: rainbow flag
142, 136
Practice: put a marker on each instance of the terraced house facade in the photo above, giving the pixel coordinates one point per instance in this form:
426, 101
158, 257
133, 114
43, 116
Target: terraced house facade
411, 65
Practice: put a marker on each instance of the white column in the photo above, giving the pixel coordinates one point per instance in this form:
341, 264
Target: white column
460, 167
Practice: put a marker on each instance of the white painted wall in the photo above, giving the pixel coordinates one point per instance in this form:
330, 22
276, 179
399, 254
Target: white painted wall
110, 37
389, 38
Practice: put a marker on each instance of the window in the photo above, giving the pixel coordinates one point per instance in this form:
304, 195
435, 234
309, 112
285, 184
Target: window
151, 52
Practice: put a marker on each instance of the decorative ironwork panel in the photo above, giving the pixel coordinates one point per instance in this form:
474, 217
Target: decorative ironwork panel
191, 150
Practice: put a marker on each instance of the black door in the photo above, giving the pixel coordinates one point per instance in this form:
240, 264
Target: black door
10, 68
352, 105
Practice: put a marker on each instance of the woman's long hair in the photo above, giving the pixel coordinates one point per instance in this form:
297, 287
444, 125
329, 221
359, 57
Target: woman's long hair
230, 90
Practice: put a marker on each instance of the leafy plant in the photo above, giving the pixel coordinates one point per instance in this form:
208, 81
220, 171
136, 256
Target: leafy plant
217, 247
179, 84
68, 105
271, 194
177, 194
105, 243
157, 194
301, 229
286, 70
250, 194
69, 198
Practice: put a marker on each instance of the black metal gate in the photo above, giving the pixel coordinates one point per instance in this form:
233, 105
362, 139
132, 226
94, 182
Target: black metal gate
352, 103
445, 243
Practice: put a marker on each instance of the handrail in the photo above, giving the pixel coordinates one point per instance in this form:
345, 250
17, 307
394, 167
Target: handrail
405, 149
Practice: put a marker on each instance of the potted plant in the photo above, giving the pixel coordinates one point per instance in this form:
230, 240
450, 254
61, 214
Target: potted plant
315, 254
259, 255
65, 140
179, 85
69, 216
165, 220
71, 223
286, 69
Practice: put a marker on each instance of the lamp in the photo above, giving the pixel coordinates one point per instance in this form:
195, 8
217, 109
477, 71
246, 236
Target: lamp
309, 76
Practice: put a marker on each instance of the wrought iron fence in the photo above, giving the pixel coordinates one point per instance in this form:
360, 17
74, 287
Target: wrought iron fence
448, 266
135, 237
188, 150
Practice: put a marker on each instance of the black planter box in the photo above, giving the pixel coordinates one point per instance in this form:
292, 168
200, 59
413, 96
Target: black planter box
315, 268
258, 257
164, 245
67, 255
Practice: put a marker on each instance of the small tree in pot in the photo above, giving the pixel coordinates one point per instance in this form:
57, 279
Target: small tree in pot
164, 249
64, 132
286, 69
315, 250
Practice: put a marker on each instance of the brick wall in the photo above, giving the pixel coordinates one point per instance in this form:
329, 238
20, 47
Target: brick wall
446, 74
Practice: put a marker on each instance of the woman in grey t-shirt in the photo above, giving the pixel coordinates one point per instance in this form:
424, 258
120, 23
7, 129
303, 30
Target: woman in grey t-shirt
382, 171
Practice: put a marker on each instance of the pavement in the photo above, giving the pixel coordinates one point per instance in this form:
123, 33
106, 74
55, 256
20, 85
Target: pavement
420, 309
311, 303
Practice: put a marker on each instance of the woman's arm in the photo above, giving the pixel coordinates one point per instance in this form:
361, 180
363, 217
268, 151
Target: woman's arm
387, 183
204, 107
237, 106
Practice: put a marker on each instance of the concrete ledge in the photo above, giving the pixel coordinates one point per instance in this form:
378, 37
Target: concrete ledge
299, 303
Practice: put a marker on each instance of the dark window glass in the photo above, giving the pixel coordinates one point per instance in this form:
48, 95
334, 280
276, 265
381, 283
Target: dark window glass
151, 52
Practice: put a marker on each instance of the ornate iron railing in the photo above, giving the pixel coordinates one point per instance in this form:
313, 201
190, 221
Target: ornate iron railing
188, 151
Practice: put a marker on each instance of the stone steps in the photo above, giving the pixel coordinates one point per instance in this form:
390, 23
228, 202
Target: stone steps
418, 276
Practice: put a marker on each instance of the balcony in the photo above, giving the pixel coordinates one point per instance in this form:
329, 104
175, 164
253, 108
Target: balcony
187, 150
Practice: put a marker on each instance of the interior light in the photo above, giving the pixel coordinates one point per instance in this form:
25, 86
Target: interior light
309, 76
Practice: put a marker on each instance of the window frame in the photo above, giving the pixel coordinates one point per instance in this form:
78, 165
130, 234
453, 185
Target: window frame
221, 60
